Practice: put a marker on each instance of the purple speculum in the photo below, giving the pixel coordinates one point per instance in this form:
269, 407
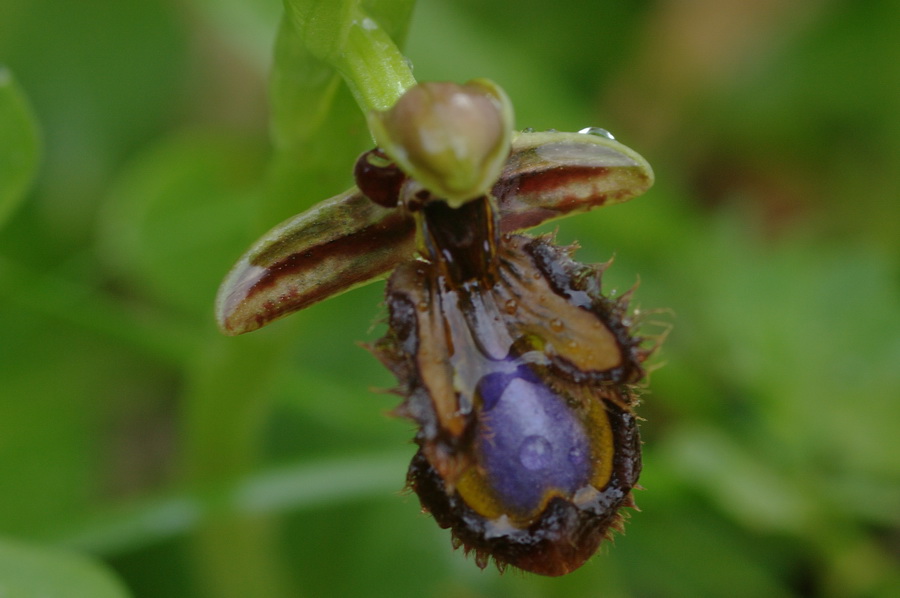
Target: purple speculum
529, 441
519, 373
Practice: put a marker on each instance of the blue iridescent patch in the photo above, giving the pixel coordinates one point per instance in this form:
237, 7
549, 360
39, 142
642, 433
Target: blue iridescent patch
529, 441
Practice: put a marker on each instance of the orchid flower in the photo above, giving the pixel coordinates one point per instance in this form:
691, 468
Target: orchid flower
518, 372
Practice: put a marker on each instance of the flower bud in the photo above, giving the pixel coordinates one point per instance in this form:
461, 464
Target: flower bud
453, 139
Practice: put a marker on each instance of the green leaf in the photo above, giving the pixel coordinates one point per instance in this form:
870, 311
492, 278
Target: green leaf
33, 572
19, 146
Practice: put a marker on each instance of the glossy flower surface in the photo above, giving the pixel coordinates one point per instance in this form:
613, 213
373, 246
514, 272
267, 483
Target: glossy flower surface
519, 377
517, 370
453, 139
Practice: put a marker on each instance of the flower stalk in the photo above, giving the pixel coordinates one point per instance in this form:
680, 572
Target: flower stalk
343, 34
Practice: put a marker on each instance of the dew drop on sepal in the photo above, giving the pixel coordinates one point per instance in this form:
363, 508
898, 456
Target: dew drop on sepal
597, 131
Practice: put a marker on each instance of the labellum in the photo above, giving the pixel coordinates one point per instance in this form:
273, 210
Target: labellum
518, 372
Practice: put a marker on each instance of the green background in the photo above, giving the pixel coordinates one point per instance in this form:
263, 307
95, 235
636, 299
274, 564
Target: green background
188, 464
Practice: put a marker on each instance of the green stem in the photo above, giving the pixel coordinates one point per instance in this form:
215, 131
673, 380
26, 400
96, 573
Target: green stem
229, 401
342, 34
373, 67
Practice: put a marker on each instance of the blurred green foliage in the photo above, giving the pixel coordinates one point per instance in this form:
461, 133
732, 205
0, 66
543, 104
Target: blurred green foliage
18, 145
26, 572
200, 466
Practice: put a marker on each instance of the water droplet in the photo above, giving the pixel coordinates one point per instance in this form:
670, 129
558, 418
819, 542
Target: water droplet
535, 453
556, 325
511, 306
596, 131
423, 306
